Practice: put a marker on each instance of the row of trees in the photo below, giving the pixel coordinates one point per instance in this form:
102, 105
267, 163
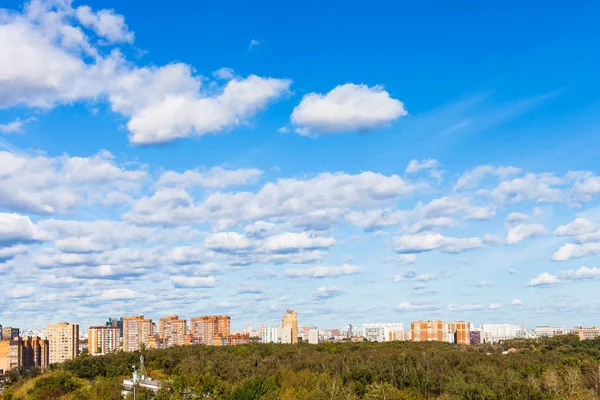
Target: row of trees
558, 368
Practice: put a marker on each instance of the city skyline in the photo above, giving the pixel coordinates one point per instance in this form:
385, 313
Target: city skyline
362, 170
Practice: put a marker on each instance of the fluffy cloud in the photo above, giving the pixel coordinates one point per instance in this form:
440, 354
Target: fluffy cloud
327, 292
214, 178
322, 271
45, 185
414, 166
434, 241
346, 108
20, 292
49, 59
521, 232
472, 178
516, 302
578, 227
583, 273
191, 282
118, 294
571, 251
283, 198
18, 229
530, 187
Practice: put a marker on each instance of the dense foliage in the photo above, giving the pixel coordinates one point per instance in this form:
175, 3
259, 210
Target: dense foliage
558, 368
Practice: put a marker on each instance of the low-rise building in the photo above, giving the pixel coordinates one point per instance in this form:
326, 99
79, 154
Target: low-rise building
586, 333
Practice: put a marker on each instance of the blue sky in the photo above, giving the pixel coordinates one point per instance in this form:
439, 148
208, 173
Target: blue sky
380, 162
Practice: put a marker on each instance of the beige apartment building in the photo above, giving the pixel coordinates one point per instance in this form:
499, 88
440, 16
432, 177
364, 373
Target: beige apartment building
103, 339
136, 331
172, 330
204, 329
64, 341
290, 320
586, 333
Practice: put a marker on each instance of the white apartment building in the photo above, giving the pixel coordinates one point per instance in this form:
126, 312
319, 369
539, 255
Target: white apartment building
313, 336
545, 331
492, 333
384, 332
285, 334
269, 334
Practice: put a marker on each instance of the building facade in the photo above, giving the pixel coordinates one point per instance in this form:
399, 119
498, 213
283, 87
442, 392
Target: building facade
475, 337
136, 331
384, 332
9, 333
313, 336
269, 334
430, 331
286, 335
290, 320
460, 331
586, 333
63, 339
493, 333
172, 330
204, 329
103, 339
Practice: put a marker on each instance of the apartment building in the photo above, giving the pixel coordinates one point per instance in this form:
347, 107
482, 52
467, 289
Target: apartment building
430, 331
269, 334
586, 333
9, 333
290, 320
172, 330
136, 331
103, 339
313, 336
460, 331
204, 329
384, 332
63, 339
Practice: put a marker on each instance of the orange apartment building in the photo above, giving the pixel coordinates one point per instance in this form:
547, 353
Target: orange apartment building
429, 331
103, 339
204, 329
461, 331
64, 341
290, 320
28, 352
172, 330
136, 332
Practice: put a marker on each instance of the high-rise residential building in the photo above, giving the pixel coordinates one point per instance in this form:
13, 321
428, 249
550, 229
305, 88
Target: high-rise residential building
492, 333
136, 330
430, 331
586, 333
204, 329
64, 341
286, 335
475, 337
103, 339
172, 330
116, 322
9, 333
460, 331
11, 355
384, 332
36, 352
269, 334
313, 336
290, 320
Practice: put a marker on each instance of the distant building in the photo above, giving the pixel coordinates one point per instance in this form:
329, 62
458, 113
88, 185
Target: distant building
269, 334
204, 329
290, 320
493, 333
172, 330
430, 331
313, 336
28, 352
9, 333
286, 335
63, 339
545, 331
460, 331
103, 339
116, 322
475, 337
384, 332
586, 333
136, 331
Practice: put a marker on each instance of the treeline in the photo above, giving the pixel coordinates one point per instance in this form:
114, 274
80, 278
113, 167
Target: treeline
558, 368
